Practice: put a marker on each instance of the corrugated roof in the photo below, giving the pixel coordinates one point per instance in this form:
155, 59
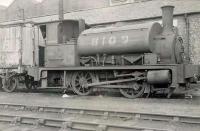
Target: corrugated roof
17, 8
134, 11
22, 3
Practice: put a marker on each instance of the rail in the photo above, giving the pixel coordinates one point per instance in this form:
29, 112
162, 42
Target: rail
90, 120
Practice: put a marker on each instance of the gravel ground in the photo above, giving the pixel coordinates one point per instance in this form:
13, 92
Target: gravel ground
158, 106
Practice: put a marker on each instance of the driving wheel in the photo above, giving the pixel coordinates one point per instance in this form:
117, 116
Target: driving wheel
80, 81
135, 90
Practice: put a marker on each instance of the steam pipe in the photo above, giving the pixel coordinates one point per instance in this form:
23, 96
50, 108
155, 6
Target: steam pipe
61, 10
187, 23
167, 18
61, 18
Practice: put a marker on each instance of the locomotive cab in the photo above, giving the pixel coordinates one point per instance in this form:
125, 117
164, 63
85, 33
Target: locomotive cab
59, 42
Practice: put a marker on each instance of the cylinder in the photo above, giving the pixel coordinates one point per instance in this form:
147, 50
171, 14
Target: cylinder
159, 77
167, 17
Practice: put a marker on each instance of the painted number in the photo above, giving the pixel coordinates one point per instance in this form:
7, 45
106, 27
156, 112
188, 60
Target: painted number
112, 40
95, 41
124, 39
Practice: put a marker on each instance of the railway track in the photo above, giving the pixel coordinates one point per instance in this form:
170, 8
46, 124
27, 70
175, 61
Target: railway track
93, 120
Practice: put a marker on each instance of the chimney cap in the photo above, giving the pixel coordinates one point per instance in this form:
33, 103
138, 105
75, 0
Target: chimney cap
166, 6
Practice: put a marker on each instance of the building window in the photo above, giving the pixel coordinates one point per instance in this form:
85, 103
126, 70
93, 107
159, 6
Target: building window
119, 2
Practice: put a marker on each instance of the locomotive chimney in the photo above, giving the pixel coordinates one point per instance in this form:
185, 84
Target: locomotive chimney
167, 17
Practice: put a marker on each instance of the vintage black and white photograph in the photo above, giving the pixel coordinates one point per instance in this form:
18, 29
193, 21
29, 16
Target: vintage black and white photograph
99, 65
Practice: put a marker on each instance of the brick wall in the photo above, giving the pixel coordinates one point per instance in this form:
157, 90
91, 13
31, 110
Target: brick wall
194, 33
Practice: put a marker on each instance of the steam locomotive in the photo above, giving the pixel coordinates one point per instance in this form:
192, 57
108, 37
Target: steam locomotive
135, 59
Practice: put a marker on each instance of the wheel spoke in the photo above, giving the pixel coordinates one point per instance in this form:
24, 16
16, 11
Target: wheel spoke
89, 79
82, 75
77, 84
79, 88
87, 75
83, 89
132, 92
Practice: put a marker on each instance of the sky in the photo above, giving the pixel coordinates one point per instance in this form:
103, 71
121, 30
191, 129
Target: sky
8, 2
5, 2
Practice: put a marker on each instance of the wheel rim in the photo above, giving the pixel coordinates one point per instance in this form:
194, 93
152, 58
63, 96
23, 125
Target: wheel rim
10, 85
80, 83
136, 90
